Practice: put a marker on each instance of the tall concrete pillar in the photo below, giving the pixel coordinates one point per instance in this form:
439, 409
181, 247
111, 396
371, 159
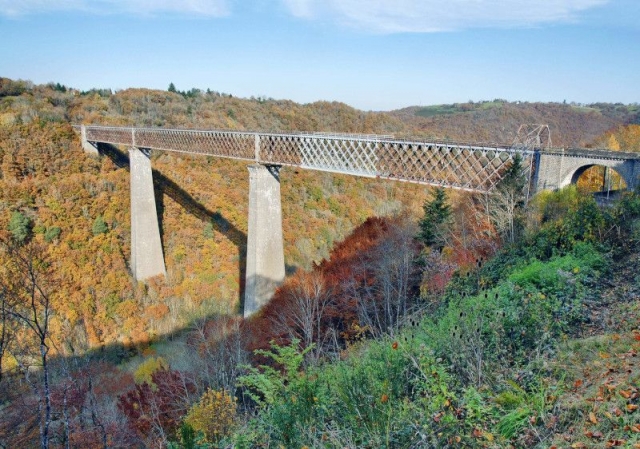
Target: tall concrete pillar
86, 145
146, 249
265, 254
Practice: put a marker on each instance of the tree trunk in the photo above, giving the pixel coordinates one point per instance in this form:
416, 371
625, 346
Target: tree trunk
44, 437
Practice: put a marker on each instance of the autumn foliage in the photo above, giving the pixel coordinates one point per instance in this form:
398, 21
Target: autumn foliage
154, 410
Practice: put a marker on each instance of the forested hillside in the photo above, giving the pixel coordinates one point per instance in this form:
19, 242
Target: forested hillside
571, 125
89, 357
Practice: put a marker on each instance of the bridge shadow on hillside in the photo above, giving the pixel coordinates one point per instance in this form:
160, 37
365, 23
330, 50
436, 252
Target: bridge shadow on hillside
165, 186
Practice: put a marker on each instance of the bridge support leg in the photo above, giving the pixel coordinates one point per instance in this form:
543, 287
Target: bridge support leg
86, 145
265, 254
146, 249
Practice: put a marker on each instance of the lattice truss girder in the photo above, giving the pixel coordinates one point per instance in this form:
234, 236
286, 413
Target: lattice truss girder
458, 166
109, 134
230, 144
463, 167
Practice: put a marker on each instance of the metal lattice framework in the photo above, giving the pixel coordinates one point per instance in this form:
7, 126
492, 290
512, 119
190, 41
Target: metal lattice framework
467, 167
530, 136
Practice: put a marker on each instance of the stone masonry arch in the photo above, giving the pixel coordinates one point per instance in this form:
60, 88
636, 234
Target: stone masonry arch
557, 169
582, 170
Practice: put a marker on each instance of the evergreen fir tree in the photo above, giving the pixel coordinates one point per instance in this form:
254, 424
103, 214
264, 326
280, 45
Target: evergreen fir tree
436, 217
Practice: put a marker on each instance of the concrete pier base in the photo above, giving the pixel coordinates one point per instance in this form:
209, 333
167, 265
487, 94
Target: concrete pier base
146, 248
265, 254
87, 146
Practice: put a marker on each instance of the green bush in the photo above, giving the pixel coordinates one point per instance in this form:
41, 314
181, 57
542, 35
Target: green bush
51, 234
99, 226
20, 227
368, 393
521, 408
482, 331
289, 400
208, 231
555, 205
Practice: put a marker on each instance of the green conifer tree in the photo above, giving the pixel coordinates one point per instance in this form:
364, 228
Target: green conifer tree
435, 220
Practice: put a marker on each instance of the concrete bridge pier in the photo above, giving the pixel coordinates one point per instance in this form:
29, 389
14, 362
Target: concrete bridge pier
146, 248
265, 254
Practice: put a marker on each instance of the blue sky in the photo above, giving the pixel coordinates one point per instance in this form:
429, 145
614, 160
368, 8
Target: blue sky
370, 54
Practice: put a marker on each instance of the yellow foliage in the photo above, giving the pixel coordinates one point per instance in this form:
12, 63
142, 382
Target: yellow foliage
10, 363
7, 119
622, 138
147, 368
214, 415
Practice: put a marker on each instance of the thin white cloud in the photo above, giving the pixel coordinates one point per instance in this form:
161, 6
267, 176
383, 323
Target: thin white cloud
300, 8
138, 7
392, 16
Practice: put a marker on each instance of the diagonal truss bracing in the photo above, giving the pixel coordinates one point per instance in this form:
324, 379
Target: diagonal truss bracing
466, 167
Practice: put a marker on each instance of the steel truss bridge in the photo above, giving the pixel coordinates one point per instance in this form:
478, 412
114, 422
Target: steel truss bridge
446, 164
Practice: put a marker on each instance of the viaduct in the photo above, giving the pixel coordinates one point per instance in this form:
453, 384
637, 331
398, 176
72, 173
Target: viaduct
460, 166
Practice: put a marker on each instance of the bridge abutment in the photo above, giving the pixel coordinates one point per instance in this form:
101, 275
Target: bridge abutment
265, 253
87, 146
147, 259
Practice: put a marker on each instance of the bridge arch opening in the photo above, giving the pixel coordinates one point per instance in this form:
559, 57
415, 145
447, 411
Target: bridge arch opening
598, 178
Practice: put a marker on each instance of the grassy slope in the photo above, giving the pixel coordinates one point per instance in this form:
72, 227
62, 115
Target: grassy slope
601, 371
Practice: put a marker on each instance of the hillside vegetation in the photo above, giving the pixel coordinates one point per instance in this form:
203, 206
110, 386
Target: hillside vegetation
535, 347
389, 332
62, 194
